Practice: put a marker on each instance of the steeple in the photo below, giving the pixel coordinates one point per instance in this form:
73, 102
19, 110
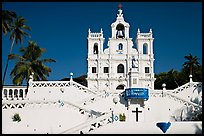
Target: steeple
120, 28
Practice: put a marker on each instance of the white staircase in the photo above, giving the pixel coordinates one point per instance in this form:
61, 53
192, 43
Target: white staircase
88, 126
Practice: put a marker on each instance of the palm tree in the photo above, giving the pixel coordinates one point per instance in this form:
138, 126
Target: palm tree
17, 31
7, 19
29, 62
191, 63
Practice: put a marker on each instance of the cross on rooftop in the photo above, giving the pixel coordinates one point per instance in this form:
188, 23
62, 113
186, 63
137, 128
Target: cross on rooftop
120, 6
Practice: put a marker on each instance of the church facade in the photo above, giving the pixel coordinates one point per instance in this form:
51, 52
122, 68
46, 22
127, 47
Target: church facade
120, 65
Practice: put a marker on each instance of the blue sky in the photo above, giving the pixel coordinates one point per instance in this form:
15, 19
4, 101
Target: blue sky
62, 28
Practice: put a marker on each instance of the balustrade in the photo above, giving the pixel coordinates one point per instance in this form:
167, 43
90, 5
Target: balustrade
14, 92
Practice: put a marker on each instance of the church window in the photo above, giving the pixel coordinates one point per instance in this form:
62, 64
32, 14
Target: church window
120, 68
120, 46
95, 48
145, 48
106, 70
120, 30
146, 69
93, 69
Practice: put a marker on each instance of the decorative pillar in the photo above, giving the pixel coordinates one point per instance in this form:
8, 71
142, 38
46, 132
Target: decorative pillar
7, 94
18, 93
23, 94
191, 80
71, 74
13, 96
31, 78
3, 94
164, 88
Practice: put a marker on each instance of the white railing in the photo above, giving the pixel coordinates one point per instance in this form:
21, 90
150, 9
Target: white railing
90, 125
14, 92
6, 104
181, 100
60, 84
186, 86
94, 98
20, 92
95, 35
175, 98
83, 110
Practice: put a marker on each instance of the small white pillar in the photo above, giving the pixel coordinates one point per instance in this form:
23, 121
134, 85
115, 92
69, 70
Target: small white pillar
31, 78
191, 80
150, 30
138, 30
164, 86
71, 74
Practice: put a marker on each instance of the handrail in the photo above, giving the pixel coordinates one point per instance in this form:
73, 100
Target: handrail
164, 94
94, 97
58, 84
190, 103
185, 86
14, 92
86, 124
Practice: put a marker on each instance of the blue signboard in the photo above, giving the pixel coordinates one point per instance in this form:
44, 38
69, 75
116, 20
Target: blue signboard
131, 93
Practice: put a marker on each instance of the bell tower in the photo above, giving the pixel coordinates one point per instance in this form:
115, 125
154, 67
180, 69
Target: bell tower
144, 43
95, 42
120, 29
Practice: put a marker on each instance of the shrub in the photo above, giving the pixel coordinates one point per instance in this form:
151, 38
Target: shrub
122, 117
16, 117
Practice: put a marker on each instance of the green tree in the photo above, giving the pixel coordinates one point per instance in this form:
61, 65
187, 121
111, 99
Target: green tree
198, 74
29, 62
191, 63
7, 19
160, 79
17, 31
172, 79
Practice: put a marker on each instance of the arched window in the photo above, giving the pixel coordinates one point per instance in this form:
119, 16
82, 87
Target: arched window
145, 48
120, 87
95, 51
120, 46
120, 31
120, 68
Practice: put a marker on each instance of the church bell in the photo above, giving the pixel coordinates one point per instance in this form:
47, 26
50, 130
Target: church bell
120, 34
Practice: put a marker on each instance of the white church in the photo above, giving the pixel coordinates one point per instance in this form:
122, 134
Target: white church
120, 97
120, 65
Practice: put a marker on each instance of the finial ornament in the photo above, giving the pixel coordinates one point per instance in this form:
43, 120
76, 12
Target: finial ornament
31, 78
191, 80
164, 86
150, 30
120, 6
138, 30
71, 74
120, 9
